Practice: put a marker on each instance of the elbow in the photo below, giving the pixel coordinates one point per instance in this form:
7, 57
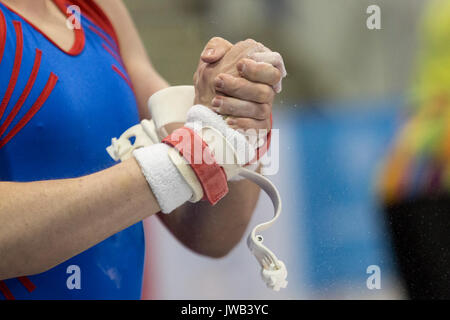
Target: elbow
19, 265
214, 250
214, 254
15, 271
217, 254
21, 268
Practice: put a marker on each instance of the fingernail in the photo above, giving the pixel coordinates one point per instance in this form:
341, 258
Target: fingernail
209, 52
218, 83
241, 67
231, 122
217, 102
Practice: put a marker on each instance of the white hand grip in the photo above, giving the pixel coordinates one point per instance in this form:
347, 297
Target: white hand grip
122, 148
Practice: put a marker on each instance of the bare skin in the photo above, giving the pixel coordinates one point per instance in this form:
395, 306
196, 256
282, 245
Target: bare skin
42, 224
52, 221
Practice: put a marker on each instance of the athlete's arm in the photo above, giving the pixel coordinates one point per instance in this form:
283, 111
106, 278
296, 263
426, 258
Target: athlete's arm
42, 224
208, 230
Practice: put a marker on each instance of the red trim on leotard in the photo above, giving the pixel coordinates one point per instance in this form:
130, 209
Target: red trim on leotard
5, 291
26, 282
33, 110
80, 40
2, 35
116, 69
113, 54
90, 9
37, 62
16, 67
104, 38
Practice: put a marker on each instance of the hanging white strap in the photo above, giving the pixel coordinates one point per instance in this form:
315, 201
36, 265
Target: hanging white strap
274, 272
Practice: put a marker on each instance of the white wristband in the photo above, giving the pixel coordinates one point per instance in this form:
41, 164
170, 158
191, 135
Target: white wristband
167, 184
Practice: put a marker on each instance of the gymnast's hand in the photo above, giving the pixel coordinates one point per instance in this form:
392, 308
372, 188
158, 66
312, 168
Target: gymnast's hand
239, 81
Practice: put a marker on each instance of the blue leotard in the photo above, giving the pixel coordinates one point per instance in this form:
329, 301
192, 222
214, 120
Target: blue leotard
59, 110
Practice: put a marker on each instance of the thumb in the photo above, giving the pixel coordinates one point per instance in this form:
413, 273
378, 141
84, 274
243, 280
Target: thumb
215, 50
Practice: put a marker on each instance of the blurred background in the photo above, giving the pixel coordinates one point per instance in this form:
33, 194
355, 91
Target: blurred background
343, 101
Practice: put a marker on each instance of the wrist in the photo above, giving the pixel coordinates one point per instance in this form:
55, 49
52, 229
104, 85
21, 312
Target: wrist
167, 184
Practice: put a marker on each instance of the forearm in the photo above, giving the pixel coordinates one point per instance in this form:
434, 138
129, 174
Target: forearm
45, 223
215, 231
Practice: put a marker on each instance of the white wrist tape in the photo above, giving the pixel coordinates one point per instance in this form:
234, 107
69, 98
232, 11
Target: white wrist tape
200, 117
168, 185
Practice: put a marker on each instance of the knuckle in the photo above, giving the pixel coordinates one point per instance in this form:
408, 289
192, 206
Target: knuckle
201, 68
277, 76
251, 67
261, 47
243, 123
249, 62
235, 83
258, 67
228, 107
204, 76
278, 56
264, 111
232, 109
215, 40
271, 94
266, 94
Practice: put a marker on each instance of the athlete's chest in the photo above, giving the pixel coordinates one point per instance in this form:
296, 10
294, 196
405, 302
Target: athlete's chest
65, 107
93, 74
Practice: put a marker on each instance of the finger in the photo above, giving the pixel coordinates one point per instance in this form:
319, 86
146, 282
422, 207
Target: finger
249, 124
273, 58
229, 106
278, 87
243, 89
276, 60
215, 50
259, 72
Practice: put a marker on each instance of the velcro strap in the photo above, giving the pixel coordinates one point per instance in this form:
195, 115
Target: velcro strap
197, 153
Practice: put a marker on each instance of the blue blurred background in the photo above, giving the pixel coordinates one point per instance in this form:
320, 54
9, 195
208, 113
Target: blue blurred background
339, 151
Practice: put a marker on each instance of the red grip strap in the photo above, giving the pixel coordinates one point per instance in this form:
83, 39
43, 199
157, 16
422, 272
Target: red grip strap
197, 153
